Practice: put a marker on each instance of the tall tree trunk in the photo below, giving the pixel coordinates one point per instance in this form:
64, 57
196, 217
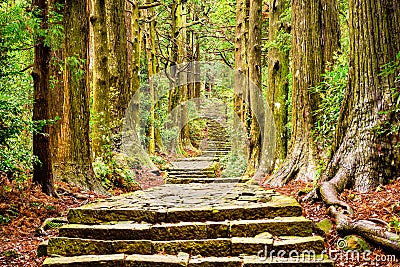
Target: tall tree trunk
239, 76
120, 94
176, 19
42, 146
185, 143
309, 42
255, 85
278, 84
76, 165
101, 85
152, 69
364, 151
136, 50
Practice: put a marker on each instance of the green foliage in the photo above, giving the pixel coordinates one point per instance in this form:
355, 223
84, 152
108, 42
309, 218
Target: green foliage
331, 92
158, 160
19, 28
115, 173
4, 219
9, 214
394, 225
10, 254
233, 165
16, 52
77, 67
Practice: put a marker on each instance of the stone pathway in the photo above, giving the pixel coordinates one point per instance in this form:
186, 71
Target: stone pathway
195, 219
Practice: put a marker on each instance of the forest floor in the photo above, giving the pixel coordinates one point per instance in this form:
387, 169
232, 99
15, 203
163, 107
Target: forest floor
24, 209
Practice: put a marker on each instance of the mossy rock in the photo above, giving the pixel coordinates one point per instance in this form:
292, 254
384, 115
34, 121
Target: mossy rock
324, 226
355, 243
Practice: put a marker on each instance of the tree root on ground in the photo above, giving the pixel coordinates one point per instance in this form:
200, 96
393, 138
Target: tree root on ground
371, 230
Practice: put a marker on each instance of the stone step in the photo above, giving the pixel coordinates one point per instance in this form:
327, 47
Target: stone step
217, 141
216, 149
175, 180
196, 202
221, 247
191, 176
199, 170
193, 202
294, 226
121, 260
216, 153
194, 165
206, 173
233, 212
210, 159
116, 260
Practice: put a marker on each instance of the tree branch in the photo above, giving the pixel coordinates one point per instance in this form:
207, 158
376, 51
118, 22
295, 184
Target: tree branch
147, 6
26, 68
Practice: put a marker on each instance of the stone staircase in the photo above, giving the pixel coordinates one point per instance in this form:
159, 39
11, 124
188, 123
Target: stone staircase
221, 224
194, 219
203, 169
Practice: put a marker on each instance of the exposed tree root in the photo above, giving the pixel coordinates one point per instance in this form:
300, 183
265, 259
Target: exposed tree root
369, 229
329, 193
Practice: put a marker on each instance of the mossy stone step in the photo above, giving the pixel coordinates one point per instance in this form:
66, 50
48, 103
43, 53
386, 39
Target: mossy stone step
214, 152
220, 247
296, 226
116, 260
227, 212
210, 159
188, 180
256, 261
194, 171
192, 202
122, 260
192, 174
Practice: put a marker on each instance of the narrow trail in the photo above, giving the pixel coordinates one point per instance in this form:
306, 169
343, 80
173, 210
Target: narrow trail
194, 219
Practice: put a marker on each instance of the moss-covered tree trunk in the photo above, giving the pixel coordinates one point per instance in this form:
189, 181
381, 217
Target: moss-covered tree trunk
152, 69
364, 151
240, 70
176, 21
310, 37
101, 85
254, 85
42, 145
185, 142
278, 70
136, 50
120, 94
74, 156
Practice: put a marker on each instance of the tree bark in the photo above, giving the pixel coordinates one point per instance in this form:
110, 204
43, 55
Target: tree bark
136, 50
120, 94
152, 69
364, 151
255, 86
278, 84
309, 45
75, 164
101, 140
238, 86
42, 145
176, 20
